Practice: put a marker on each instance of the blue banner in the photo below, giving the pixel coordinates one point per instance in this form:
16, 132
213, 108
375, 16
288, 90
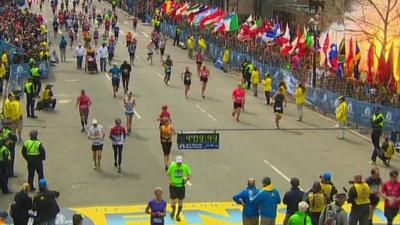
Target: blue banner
20, 72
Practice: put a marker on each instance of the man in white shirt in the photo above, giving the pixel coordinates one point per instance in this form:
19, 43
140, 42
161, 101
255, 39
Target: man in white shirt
96, 134
79, 53
102, 52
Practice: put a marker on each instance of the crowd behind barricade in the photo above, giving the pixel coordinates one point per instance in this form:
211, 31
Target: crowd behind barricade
26, 30
269, 55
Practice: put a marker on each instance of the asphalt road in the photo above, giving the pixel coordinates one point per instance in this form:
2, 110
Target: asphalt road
217, 175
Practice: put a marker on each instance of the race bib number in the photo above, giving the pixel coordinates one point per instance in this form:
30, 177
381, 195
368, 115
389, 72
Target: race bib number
179, 173
157, 220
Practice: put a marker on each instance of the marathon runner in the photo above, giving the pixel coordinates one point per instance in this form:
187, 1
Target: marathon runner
179, 174
96, 134
168, 69
150, 52
83, 102
204, 74
238, 96
187, 80
157, 208
126, 73
166, 133
129, 105
164, 115
199, 61
96, 36
115, 78
279, 98
131, 51
118, 138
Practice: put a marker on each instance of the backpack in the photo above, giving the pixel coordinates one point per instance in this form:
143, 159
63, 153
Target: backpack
330, 215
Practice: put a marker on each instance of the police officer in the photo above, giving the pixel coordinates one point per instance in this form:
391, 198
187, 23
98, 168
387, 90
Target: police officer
34, 154
29, 89
177, 35
249, 71
377, 127
35, 73
157, 24
5, 158
8, 136
359, 199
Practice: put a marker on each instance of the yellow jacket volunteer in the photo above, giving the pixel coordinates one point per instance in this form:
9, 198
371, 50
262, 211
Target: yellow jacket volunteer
342, 111
267, 84
300, 96
255, 77
317, 201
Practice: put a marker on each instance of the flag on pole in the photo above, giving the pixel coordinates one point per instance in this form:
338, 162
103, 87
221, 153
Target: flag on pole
350, 59
334, 57
231, 23
382, 69
391, 81
342, 58
371, 63
357, 59
325, 49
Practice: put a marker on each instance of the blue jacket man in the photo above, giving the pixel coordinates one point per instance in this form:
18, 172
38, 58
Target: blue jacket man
267, 201
250, 213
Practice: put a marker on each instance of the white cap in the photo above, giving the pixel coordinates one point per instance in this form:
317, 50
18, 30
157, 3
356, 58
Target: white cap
94, 121
179, 159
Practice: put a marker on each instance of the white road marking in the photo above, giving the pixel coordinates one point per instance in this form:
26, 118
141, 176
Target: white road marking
107, 76
126, 22
144, 34
121, 32
205, 112
277, 170
64, 101
159, 75
136, 113
72, 80
60, 32
138, 57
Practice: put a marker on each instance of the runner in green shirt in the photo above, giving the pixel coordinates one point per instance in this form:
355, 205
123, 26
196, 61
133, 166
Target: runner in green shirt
179, 174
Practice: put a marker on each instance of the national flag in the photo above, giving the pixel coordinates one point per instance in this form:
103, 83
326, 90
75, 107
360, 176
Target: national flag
302, 43
199, 17
350, 59
192, 9
271, 34
231, 23
182, 10
342, 59
196, 12
334, 57
382, 69
325, 49
357, 59
210, 19
371, 63
285, 38
244, 33
391, 81
259, 22
219, 25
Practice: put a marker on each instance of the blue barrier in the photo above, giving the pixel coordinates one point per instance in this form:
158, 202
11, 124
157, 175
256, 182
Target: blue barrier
10, 49
360, 112
20, 72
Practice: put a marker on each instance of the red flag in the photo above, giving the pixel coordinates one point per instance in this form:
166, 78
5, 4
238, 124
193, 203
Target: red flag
350, 59
371, 63
382, 69
391, 81
325, 49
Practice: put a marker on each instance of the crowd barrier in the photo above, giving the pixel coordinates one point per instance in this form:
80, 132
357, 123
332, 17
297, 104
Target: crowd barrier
20, 72
10, 49
360, 112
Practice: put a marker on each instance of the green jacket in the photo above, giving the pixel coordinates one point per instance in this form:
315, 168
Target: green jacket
298, 219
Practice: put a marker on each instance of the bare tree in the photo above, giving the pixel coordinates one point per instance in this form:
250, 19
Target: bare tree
374, 19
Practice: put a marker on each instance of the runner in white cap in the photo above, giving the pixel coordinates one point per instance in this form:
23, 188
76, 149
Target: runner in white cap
96, 134
179, 174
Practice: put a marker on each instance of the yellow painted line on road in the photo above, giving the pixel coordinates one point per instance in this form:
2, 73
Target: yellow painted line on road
205, 213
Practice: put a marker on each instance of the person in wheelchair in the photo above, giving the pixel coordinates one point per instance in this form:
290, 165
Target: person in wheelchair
91, 59
48, 102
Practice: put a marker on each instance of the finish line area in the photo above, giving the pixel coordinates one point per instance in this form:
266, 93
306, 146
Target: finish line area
207, 213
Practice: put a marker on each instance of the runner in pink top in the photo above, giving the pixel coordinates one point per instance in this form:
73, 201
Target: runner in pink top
204, 74
83, 102
238, 97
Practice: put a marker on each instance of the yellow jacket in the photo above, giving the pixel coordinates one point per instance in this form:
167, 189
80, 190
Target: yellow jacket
267, 84
300, 96
255, 77
7, 109
16, 111
227, 56
2, 70
341, 113
4, 59
202, 43
190, 43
